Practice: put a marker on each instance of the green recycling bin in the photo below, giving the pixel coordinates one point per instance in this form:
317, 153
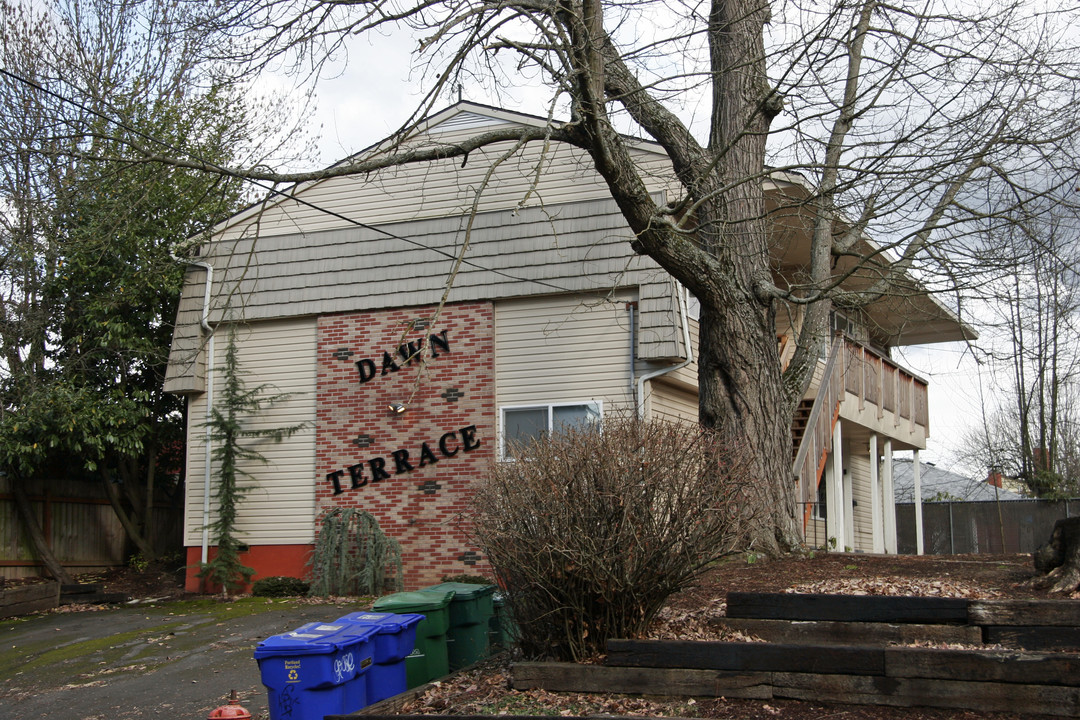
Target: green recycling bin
430, 658
471, 610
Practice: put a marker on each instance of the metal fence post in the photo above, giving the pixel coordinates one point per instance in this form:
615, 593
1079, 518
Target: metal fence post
952, 534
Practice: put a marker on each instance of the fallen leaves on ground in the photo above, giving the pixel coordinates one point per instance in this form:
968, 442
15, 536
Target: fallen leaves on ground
895, 586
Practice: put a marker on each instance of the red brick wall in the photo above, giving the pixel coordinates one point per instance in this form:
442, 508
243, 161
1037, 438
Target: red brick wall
420, 507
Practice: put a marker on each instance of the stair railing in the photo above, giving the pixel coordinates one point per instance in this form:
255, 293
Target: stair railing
817, 437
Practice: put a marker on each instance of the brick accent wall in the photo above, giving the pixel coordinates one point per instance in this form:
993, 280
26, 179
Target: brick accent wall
413, 471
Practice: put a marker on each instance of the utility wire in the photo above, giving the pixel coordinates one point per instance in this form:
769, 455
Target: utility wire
285, 194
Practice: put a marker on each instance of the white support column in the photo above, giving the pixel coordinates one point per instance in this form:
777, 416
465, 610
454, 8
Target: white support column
831, 502
876, 510
918, 502
888, 499
841, 493
849, 510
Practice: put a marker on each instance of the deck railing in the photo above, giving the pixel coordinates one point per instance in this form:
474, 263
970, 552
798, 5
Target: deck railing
878, 381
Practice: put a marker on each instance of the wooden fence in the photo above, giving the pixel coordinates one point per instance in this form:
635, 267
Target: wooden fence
80, 525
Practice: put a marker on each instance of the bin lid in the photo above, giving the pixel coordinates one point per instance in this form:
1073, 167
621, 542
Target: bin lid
383, 623
310, 639
351, 633
463, 591
413, 601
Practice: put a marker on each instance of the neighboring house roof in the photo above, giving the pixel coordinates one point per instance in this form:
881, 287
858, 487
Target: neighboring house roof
939, 484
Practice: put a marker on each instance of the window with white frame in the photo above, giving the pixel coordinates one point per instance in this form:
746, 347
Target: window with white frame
523, 424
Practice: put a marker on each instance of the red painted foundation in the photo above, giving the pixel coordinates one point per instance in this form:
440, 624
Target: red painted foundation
268, 561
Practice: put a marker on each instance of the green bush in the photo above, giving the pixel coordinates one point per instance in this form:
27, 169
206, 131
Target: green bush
280, 586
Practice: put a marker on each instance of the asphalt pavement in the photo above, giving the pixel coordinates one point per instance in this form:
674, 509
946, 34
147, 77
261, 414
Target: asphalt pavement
168, 661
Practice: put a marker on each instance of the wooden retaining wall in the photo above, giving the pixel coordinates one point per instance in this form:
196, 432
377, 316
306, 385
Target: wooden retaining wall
813, 655
25, 599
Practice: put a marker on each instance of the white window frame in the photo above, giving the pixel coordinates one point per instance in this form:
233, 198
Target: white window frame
596, 406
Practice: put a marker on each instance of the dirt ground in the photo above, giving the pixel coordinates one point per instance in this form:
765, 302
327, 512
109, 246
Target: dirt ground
484, 690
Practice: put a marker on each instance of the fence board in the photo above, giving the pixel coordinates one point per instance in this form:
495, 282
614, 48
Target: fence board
746, 657
569, 677
1062, 613
849, 633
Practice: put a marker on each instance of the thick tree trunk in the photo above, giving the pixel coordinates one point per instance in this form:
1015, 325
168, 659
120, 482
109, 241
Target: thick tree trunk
714, 240
741, 396
1060, 558
37, 537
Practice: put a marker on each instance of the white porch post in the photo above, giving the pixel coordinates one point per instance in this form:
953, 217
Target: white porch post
876, 513
849, 510
888, 499
841, 492
830, 501
918, 502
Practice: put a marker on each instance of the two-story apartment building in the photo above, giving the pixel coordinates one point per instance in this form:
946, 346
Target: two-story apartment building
520, 281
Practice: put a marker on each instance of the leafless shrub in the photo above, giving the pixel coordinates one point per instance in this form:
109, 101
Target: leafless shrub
601, 524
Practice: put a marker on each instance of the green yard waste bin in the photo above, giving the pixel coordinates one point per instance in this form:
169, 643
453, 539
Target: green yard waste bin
470, 613
430, 659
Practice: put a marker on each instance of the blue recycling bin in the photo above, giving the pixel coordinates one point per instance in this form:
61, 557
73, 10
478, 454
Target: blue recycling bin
316, 670
356, 645
394, 640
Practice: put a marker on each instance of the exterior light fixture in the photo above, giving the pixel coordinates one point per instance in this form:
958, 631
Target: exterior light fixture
396, 408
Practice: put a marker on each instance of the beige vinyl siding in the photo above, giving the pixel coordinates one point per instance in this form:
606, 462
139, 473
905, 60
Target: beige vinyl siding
858, 464
441, 188
816, 535
671, 402
563, 349
281, 504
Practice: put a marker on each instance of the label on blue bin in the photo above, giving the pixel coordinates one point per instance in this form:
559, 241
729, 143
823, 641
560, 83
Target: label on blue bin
293, 667
329, 628
365, 662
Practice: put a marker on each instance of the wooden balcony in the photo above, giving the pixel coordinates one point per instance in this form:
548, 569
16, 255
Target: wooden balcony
879, 382
881, 390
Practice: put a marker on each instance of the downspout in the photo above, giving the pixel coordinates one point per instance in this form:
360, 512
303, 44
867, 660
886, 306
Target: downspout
631, 307
684, 316
204, 323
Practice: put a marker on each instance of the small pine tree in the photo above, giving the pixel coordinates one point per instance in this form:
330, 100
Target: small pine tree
226, 430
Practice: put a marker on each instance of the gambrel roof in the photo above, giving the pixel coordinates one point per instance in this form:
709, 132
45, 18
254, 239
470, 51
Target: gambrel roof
544, 223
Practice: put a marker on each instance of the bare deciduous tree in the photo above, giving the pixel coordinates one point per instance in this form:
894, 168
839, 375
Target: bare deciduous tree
1032, 431
924, 125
